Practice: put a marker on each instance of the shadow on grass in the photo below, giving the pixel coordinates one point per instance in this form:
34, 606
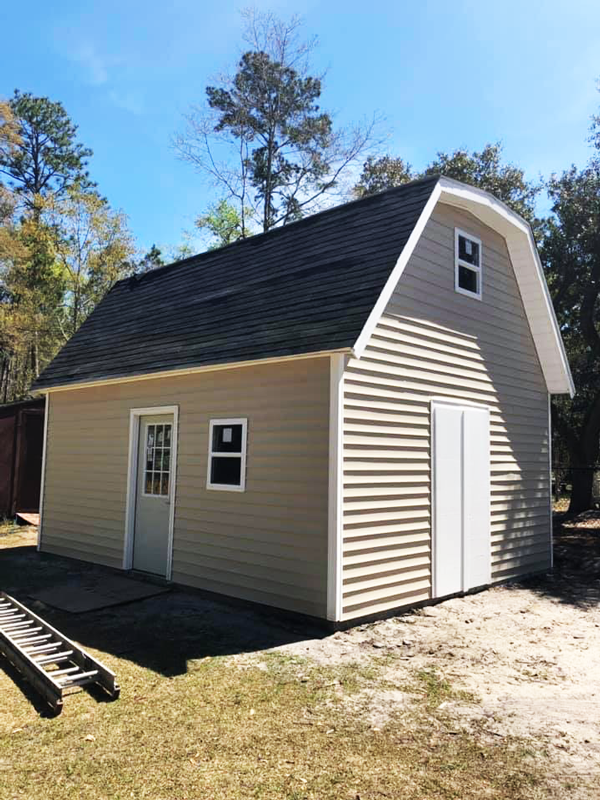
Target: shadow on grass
162, 633
36, 700
575, 579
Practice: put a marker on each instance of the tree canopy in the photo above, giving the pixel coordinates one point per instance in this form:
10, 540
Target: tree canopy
38, 151
262, 136
484, 169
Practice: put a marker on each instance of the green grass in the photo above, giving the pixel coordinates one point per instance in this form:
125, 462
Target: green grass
270, 725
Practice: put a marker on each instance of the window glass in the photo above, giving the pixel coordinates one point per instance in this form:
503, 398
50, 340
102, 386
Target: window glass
226, 471
468, 250
157, 460
468, 279
227, 439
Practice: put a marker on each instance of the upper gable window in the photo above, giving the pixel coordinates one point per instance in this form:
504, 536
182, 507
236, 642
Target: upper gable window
467, 264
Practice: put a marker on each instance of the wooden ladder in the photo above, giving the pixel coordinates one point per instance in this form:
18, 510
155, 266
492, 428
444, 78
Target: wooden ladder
47, 659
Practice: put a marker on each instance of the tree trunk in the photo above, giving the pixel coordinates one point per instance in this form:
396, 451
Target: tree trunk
581, 493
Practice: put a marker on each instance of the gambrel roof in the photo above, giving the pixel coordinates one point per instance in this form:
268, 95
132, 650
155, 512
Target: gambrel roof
314, 286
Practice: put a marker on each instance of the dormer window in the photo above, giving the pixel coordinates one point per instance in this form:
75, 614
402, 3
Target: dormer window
467, 264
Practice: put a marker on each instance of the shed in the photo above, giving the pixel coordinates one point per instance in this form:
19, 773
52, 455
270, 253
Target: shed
342, 417
21, 444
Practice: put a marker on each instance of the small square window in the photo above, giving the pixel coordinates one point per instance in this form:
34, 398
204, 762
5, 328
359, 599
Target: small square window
467, 264
227, 454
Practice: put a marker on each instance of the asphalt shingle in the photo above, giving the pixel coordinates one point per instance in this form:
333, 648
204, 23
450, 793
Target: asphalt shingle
303, 288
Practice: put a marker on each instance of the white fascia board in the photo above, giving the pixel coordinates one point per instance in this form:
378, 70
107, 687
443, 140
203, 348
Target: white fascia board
528, 270
396, 273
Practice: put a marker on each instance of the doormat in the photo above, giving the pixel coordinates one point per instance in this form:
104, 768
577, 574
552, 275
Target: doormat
91, 594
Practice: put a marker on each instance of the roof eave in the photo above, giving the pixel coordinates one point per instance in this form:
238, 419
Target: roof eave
173, 373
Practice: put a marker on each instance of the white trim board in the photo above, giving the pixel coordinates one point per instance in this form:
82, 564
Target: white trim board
132, 468
551, 509
335, 498
43, 475
526, 264
173, 373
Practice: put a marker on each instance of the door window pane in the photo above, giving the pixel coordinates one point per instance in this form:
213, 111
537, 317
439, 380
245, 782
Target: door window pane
157, 460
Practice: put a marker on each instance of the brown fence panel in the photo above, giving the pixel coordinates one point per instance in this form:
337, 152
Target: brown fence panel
7, 453
28, 463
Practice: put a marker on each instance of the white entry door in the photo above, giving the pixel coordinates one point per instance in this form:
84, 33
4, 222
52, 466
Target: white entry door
154, 493
461, 498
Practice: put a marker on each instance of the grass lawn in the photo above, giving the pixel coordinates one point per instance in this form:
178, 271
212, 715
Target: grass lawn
198, 720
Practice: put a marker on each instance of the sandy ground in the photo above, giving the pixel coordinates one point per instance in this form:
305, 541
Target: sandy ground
528, 655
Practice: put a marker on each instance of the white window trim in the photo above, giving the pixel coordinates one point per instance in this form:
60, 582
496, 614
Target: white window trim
227, 487
458, 262
145, 439
135, 415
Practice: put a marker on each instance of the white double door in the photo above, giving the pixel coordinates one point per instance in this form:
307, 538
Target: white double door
461, 497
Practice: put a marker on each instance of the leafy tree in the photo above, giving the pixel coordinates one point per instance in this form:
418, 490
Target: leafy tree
571, 257
150, 260
283, 155
38, 152
382, 173
30, 289
223, 222
484, 169
94, 249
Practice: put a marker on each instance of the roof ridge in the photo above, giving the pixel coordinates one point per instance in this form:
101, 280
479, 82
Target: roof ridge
279, 230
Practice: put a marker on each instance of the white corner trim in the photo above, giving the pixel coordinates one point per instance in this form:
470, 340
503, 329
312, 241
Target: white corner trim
43, 475
224, 487
551, 532
336, 486
528, 271
132, 466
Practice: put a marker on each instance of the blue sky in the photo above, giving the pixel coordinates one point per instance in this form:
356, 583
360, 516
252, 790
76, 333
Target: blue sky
443, 75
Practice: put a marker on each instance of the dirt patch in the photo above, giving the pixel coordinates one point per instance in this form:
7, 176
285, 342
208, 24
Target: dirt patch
524, 658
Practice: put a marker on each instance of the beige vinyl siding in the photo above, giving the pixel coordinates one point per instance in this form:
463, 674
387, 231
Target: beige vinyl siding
435, 342
267, 544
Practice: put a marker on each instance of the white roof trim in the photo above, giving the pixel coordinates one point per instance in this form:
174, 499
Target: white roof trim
526, 264
173, 373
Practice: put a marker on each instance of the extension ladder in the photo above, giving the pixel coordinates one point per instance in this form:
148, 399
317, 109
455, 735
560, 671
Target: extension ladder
47, 659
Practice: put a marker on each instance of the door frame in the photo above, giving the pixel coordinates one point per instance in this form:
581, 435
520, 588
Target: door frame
135, 415
455, 403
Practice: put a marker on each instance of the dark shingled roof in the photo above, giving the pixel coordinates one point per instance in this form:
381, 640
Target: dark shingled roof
303, 288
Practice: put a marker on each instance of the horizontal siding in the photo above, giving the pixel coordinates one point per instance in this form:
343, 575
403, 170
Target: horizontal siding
267, 544
434, 342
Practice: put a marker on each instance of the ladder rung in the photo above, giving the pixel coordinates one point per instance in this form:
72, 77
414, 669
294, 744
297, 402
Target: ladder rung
24, 643
56, 672
16, 636
8, 615
77, 684
16, 625
82, 676
55, 658
44, 648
